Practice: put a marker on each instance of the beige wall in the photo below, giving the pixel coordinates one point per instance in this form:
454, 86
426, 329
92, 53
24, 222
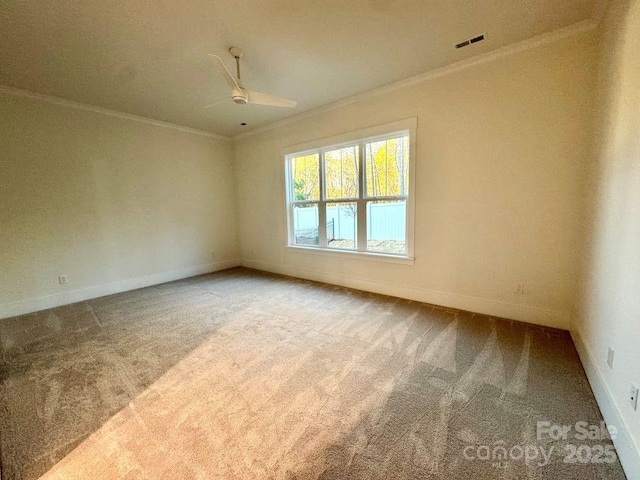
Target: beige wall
112, 203
500, 161
608, 313
115, 204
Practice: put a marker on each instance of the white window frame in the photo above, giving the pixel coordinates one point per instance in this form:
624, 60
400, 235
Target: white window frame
360, 138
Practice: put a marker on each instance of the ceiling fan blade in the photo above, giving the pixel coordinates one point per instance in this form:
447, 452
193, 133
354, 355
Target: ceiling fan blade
257, 98
216, 103
224, 71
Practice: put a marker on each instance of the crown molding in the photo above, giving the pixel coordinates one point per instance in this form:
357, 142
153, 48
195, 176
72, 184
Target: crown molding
540, 40
105, 111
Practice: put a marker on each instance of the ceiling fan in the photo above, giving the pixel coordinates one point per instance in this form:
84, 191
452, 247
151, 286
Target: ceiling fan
241, 95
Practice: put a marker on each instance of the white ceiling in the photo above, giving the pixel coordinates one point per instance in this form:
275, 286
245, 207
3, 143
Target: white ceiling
149, 57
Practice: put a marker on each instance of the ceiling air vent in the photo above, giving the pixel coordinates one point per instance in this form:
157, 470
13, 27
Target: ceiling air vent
471, 41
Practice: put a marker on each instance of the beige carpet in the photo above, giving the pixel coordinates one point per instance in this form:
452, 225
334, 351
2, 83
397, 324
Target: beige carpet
244, 375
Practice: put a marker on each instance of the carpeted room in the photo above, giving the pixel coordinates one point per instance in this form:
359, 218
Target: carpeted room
167, 315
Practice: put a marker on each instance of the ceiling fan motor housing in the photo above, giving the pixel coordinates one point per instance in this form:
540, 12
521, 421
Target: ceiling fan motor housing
239, 97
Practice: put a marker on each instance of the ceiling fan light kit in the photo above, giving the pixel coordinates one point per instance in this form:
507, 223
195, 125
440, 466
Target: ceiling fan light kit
239, 97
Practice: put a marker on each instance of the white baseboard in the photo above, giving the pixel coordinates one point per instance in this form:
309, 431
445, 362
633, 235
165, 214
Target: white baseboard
523, 313
30, 305
628, 451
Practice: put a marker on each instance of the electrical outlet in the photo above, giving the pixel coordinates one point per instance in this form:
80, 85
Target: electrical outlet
63, 279
633, 396
610, 358
520, 288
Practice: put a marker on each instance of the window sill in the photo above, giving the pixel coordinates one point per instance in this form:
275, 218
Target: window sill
369, 256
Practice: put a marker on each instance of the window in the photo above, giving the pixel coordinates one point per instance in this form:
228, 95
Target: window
353, 195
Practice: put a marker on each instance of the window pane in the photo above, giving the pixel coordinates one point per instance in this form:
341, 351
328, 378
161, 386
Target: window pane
305, 224
341, 173
341, 225
387, 167
386, 226
305, 174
